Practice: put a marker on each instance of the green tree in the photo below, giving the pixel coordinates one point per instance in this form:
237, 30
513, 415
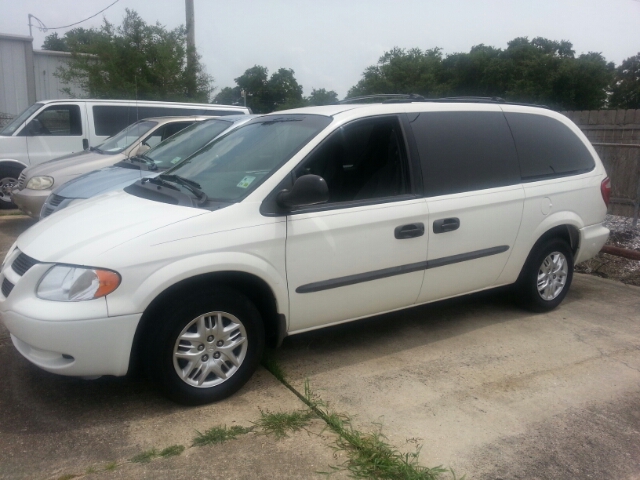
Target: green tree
402, 71
625, 91
133, 60
55, 43
539, 71
264, 94
284, 90
321, 96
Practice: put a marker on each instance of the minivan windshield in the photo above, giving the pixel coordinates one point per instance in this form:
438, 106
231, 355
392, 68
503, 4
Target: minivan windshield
185, 142
14, 124
126, 137
235, 164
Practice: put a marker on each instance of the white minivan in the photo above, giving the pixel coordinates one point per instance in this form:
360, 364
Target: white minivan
52, 128
298, 220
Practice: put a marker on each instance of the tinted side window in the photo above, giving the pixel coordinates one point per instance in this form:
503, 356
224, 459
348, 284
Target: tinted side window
57, 120
165, 132
547, 147
464, 151
363, 160
110, 119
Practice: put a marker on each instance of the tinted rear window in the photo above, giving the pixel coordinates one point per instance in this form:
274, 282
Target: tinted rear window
465, 151
547, 147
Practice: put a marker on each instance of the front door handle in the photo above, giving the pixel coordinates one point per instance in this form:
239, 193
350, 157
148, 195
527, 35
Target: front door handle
446, 225
412, 230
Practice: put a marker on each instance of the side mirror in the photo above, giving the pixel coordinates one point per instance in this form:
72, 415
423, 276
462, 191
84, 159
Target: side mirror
307, 190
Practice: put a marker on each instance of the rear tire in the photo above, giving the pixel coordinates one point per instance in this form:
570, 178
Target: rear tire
546, 276
206, 346
8, 179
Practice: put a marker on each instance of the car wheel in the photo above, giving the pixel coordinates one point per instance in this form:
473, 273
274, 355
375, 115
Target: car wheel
547, 275
206, 347
8, 179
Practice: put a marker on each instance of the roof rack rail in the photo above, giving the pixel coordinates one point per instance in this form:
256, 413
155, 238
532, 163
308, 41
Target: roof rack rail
391, 97
413, 97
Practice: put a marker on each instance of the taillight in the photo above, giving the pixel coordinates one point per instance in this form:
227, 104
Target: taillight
605, 189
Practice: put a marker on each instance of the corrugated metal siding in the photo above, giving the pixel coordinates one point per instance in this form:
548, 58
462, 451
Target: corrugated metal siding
13, 76
48, 86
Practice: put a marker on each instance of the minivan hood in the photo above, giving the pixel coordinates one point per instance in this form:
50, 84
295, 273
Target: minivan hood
74, 164
101, 181
80, 233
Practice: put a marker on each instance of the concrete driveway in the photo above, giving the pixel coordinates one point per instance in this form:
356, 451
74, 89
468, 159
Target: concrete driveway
485, 388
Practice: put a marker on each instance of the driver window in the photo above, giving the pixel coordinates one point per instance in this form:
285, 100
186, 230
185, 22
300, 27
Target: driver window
57, 120
165, 132
363, 160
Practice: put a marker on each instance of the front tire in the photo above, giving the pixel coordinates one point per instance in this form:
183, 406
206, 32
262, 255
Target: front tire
8, 179
546, 276
206, 346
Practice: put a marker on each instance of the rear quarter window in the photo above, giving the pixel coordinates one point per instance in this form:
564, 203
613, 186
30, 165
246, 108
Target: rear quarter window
547, 148
465, 151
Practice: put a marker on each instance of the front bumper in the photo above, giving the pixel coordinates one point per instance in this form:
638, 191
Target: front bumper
100, 346
68, 338
30, 201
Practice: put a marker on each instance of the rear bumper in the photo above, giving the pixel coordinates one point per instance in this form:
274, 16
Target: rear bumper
592, 239
30, 201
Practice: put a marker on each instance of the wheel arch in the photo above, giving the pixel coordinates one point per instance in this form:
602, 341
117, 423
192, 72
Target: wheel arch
567, 232
10, 162
250, 285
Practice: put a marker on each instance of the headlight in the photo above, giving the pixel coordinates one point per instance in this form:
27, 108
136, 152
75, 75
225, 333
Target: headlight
39, 183
64, 283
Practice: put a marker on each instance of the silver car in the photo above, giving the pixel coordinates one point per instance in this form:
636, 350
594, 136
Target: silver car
36, 183
160, 158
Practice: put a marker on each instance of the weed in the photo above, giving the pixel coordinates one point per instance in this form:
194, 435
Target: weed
67, 476
270, 362
91, 470
219, 434
109, 467
279, 423
172, 451
145, 457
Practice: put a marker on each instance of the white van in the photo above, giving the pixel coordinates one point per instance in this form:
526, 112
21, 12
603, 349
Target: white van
298, 220
52, 128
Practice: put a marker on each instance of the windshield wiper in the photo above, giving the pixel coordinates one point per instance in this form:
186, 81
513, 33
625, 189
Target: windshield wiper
159, 181
190, 185
144, 159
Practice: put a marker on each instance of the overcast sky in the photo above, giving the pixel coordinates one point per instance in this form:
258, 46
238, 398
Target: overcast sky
329, 43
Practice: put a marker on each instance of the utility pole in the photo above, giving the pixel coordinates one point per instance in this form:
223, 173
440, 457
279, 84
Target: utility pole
191, 48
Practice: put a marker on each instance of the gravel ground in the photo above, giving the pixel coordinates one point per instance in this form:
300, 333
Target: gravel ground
623, 235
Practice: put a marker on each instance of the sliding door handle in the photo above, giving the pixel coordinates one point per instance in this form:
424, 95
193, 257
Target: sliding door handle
412, 230
446, 225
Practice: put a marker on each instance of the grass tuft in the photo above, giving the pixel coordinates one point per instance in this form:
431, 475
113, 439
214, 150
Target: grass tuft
110, 467
278, 424
145, 457
172, 451
67, 476
219, 434
270, 362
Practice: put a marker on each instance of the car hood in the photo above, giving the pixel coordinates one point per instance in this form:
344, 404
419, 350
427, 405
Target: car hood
74, 164
80, 233
101, 181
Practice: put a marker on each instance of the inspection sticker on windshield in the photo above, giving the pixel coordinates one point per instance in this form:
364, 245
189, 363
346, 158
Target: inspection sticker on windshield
176, 160
246, 181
